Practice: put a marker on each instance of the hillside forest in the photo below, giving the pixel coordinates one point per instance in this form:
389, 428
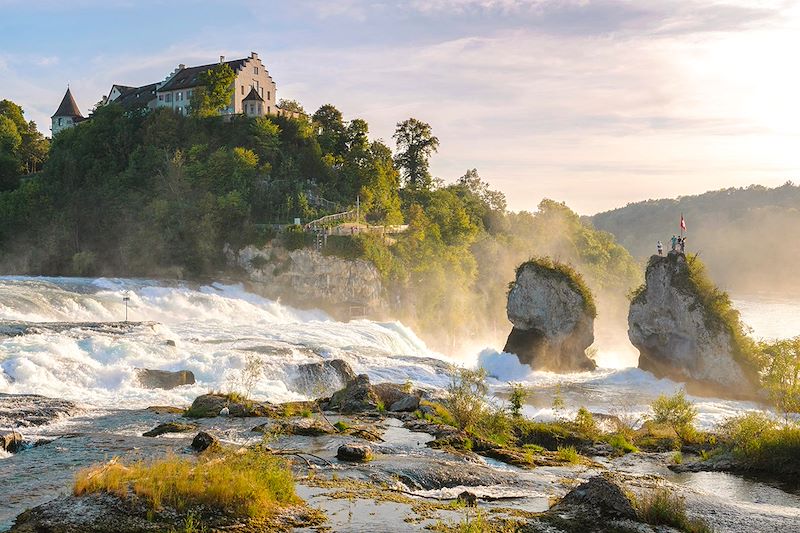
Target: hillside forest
746, 236
157, 194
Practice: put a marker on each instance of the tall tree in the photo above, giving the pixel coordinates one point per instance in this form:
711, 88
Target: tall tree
415, 144
330, 129
215, 91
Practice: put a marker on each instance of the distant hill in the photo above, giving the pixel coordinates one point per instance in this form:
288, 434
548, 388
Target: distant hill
748, 237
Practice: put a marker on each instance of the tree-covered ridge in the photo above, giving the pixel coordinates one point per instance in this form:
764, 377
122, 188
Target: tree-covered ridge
160, 194
745, 235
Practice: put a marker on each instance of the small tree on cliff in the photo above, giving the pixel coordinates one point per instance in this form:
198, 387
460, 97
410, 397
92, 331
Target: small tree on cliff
415, 144
215, 91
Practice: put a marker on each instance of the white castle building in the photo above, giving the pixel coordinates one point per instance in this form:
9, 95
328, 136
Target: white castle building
254, 93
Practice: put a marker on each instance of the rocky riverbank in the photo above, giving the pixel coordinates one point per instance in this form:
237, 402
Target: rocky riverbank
390, 447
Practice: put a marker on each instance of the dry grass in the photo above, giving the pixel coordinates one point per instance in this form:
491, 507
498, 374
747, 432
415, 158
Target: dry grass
662, 507
248, 485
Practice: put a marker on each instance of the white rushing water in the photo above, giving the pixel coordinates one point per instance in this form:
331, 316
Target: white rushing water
215, 328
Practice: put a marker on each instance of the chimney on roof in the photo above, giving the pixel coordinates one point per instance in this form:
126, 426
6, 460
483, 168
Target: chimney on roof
181, 66
253, 55
221, 59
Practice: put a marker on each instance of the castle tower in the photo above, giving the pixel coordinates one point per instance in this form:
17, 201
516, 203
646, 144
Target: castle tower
253, 104
67, 114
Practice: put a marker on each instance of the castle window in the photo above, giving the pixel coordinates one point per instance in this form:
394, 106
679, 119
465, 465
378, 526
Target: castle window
160, 97
59, 121
255, 70
242, 89
267, 95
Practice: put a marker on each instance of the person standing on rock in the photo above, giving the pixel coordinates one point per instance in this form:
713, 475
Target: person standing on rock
674, 242
683, 244
660, 248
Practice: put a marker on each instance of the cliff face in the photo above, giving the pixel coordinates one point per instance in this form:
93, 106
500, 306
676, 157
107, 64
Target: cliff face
308, 278
678, 337
553, 326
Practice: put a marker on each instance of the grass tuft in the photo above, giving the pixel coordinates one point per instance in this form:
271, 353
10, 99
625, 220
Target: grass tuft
248, 485
662, 507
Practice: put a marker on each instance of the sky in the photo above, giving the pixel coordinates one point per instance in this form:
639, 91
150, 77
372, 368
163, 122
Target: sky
594, 103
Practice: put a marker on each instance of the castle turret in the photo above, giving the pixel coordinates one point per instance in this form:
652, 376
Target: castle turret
253, 104
67, 114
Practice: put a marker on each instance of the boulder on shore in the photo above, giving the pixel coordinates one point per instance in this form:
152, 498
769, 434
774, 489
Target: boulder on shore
360, 453
553, 317
680, 337
323, 377
214, 404
11, 442
164, 379
203, 441
358, 396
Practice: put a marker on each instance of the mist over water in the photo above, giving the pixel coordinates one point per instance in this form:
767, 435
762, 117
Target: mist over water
216, 327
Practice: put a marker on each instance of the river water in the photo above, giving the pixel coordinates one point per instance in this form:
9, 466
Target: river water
215, 328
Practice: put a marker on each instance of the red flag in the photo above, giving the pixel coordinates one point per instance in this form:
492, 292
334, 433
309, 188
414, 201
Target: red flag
683, 223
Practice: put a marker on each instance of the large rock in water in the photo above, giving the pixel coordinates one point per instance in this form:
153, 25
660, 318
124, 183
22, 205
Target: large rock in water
164, 379
678, 337
553, 321
323, 378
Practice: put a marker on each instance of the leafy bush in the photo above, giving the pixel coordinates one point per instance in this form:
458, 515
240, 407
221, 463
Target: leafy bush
675, 411
662, 507
780, 375
295, 238
621, 444
517, 398
585, 424
761, 443
467, 396
720, 315
568, 455
249, 485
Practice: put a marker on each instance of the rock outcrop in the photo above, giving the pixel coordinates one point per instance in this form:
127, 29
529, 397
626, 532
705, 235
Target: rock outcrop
680, 337
306, 276
322, 378
553, 318
164, 379
169, 427
27, 410
357, 397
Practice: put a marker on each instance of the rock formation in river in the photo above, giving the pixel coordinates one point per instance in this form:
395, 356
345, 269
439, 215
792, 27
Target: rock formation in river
685, 329
553, 316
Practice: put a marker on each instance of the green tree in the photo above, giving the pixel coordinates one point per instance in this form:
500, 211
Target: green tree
214, 92
330, 130
781, 373
675, 411
291, 105
415, 144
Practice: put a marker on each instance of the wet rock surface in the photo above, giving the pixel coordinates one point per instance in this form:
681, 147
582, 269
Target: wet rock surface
203, 441
323, 377
28, 410
358, 396
359, 453
164, 379
17, 328
212, 405
169, 427
552, 327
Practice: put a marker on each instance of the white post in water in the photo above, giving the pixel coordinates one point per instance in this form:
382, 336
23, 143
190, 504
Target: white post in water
126, 299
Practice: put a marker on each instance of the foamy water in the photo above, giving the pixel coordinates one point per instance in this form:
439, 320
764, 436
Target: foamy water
216, 327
